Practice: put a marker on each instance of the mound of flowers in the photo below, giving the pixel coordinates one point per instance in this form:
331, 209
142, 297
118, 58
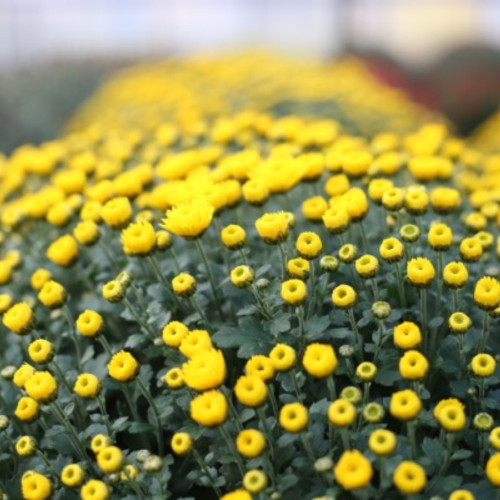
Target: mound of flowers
248, 277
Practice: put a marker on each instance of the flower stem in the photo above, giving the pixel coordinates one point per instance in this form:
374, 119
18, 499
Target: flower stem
206, 470
211, 279
199, 310
330, 383
104, 413
283, 257
307, 446
401, 288
364, 239
357, 335
147, 395
485, 332
410, 427
74, 336
144, 326
423, 318
232, 449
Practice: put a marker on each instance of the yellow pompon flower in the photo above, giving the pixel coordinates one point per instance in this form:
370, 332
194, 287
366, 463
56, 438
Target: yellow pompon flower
174, 333
298, 268
308, 245
367, 266
205, 370
123, 367
272, 227
487, 293
283, 357
42, 387
391, 249
293, 292
440, 237
72, 475
86, 232
250, 443
117, 212
459, 322
19, 318
250, 390
314, 208
39, 278
63, 251
41, 351
377, 188
483, 365
260, 366
35, 486
420, 271
184, 285
353, 470
445, 200
52, 294
89, 323
393, 199
409, 477
493, 470
407, 335
163, 240
129, 473
341, 413
452, 417
343, 296
189, 220
352, 394
405, 404
237, 495
336, 220
294, 417
195, 341
27, 409
181, 443
255, 192
87, 386
455, 274
209, 409
22, 374
382, 442
233, 237
416, 201
356, 163
494, 438
446, 402
113, 291
138, 238
320, 360
99, 442
94, 489
461, 495
242, 276
471, 249
255, 481
413, 365
174, 378
5, 272
5, 302
110, 459
366, 371
26, 446
356, 204
348, 252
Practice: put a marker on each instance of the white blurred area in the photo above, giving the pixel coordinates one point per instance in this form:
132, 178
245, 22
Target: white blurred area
414, 31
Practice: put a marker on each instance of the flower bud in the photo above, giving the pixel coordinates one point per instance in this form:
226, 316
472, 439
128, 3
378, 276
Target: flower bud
125, 279
8, 372
483, 421
262, 283
409, 232
142, 455
4, 422
329, 263
381, 309
373, 412
346, 351
153, 463
323, 464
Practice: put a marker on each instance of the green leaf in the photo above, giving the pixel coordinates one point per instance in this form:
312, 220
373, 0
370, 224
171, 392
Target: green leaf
280, 324
461, 454
434, 449
140, 427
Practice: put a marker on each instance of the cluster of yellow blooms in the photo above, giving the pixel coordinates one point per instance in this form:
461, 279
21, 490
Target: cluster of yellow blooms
248, 277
